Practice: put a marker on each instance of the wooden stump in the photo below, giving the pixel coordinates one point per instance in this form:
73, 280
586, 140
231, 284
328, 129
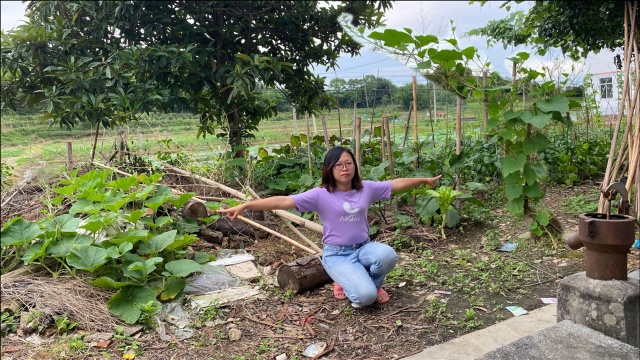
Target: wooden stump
302, 274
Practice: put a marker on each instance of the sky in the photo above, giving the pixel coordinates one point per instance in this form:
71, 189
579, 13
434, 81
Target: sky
423, 17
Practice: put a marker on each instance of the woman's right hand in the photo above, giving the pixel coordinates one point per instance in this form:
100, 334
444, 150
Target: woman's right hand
234, 211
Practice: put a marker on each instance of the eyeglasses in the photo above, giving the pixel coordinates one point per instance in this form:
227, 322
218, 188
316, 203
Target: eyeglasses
348, 165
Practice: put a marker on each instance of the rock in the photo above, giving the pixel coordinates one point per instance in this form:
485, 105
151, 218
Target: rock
235, 334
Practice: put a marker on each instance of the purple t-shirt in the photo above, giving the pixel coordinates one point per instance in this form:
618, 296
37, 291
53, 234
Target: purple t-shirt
343, 213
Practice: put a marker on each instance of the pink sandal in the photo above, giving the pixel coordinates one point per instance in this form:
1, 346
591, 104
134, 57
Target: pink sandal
338, 291
383, 297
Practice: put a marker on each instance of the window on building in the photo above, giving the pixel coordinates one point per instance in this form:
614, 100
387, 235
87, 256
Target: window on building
606, 88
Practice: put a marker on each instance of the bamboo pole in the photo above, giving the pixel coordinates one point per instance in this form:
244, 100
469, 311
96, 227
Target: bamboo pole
625, 88
241, 218
283, 237
306, 119
485, 106
382, 138
415, 115
295, 121
315, 127
326, 132
95, 141
293, 228
283, 214
358, 124
392, 173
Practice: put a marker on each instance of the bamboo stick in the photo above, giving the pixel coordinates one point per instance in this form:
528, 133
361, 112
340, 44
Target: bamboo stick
242, 218
627, 60
357, 138
288, 223
306, 119
284, 214
326, 132
283, 237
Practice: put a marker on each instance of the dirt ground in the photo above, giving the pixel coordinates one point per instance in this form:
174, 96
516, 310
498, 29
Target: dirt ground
482, 282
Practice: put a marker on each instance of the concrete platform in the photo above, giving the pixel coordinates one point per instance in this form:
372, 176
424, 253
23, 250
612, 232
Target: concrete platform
478, 343
563, 341
537, 332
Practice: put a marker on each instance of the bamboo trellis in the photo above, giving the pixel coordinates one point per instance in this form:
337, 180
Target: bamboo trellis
628, 111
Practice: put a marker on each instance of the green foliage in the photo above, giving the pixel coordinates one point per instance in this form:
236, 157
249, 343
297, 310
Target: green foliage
6, 177
441, 200
10, 322
582, 203
566, 25
63, 324
112, 63
573, 159
113, 231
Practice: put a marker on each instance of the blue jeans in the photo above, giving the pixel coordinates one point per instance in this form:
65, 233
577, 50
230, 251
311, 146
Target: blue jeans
360, 269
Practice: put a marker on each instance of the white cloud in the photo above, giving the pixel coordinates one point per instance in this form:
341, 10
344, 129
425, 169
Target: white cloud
12, 14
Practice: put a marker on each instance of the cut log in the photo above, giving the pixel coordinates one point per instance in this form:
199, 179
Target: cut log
194, 210
302, 274
238, 227
210, 236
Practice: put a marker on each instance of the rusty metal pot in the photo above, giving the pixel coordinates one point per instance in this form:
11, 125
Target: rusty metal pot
607, 242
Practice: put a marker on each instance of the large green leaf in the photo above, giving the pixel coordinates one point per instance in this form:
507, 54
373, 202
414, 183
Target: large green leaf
87, 257
539, 120
533, 191
157, 243
513, 186
182, 241
124, 183
182, 267
173, 288
392, 37
556, 103
181, 199
535, 143
127, 302
424, 40
114, 203
105, 282
68, 223
19, 232
85, 206
515, 206
512, 163
62, 247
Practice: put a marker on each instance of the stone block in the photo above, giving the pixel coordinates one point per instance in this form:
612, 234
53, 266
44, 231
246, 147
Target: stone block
564, 340
608, 306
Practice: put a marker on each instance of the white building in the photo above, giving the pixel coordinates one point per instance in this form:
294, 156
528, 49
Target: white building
607, 88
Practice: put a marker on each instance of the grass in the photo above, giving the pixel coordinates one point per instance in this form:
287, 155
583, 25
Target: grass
25, 138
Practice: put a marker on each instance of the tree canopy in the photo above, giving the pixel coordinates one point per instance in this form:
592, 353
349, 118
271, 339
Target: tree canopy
106, 61
575, 27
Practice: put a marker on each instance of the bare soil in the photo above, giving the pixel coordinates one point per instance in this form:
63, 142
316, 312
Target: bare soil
482, 282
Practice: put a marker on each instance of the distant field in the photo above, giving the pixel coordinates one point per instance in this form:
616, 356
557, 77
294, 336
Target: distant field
26, 138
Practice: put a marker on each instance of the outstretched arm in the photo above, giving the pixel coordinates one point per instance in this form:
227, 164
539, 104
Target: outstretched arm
271, 203
401, 184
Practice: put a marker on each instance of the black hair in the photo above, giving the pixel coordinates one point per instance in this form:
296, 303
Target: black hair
330, 159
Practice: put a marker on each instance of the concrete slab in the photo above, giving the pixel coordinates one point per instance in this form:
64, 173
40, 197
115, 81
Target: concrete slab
477, 343
565, 340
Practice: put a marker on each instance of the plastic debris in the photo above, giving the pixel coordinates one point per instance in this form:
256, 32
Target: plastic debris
246, 270
314, 349
223, 297
637, 244
549, 300
508, 247
516, 310
444, 292
211, 278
